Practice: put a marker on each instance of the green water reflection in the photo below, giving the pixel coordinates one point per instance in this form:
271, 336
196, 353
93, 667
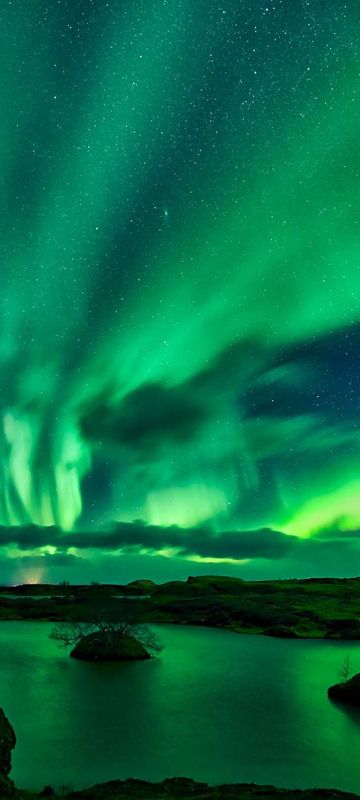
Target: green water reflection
214, 706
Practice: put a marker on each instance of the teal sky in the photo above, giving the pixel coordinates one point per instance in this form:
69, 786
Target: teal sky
179, 290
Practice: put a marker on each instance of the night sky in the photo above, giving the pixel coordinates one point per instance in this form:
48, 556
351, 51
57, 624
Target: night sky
179, 289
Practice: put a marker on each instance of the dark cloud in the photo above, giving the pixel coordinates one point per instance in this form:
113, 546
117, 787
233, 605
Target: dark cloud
57, 560
262, 543
336, 532
28, 537
270, 553
145, 419
154, 414
317, 381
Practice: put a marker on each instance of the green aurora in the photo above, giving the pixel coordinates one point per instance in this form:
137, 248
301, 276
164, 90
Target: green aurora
180, 288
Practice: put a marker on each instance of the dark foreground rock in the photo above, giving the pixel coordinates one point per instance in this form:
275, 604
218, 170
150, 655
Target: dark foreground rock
186, 789
100, 646
7, 744
347, 692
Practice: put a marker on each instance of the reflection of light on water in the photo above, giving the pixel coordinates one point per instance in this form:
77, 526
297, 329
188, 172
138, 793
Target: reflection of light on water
32, 596
131, 596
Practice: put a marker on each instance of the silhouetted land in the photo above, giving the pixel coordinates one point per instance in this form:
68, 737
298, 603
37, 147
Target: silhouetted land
315, 608
183, 789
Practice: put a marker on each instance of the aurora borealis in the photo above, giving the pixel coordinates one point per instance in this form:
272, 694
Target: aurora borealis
180, 288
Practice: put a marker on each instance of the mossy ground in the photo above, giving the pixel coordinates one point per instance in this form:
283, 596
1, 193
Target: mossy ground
315, 608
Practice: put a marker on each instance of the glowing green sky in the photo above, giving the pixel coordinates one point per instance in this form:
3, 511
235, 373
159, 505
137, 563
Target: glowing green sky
180, 288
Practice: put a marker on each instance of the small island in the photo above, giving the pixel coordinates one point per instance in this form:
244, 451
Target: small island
99, 647
103, 640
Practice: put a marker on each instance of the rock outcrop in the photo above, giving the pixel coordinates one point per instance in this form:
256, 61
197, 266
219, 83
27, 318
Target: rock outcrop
347, 692
7, 744
100, 646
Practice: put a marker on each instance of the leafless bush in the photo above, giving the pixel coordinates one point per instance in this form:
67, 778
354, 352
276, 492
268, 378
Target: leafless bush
345, 670
68, 634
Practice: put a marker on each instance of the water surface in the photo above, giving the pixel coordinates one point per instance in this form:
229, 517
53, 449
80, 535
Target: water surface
214, 706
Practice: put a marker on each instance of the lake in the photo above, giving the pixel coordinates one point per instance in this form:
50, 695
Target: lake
213, 706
